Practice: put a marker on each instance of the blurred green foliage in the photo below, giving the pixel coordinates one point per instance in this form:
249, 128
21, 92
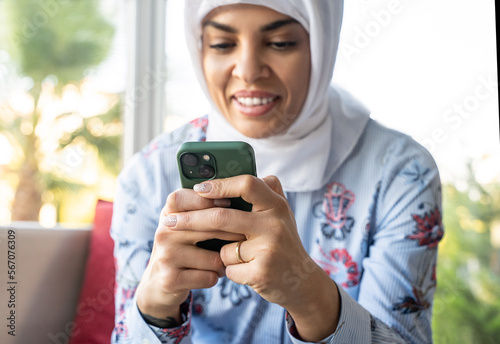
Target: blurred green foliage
53, 44
467, 300
57, 37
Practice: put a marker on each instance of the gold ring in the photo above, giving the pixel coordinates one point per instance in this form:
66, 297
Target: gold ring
238, 252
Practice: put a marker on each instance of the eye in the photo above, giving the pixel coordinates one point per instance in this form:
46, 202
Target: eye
222, 47
282, 45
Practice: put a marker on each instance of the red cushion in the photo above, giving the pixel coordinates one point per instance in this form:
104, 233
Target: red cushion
94, 320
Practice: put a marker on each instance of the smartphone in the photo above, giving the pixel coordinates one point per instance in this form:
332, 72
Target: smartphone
201, 161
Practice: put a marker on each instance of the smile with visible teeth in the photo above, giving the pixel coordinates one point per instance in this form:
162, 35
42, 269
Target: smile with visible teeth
254, 101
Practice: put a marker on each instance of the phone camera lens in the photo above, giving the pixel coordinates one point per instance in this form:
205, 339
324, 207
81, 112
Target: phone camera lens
190, 159
207, 171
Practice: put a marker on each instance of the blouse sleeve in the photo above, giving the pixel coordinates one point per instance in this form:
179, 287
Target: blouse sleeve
356, 325
135, 219
399, 278
398, 282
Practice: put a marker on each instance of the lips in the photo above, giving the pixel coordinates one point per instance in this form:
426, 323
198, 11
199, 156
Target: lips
254, 103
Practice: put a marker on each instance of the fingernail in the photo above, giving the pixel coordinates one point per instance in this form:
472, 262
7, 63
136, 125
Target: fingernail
223, 203
202, 188
170, 221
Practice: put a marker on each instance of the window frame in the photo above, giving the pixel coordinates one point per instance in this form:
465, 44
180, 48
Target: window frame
144, 102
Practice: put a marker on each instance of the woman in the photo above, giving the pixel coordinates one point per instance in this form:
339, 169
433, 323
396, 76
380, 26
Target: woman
341, 242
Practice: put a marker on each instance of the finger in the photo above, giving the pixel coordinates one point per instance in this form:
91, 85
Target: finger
229, 253
196, 279
240, 273
164, 236
187, 199
274, 183
250, 188
192, 257
221, 219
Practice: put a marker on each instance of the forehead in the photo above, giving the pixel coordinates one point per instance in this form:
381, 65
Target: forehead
244, 14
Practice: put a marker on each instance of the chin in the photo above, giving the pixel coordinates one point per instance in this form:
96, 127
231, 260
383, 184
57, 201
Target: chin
259, 134
258, 129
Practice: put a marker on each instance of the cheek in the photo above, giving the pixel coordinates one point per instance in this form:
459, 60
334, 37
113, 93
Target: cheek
299, 81
216, 74
297, 84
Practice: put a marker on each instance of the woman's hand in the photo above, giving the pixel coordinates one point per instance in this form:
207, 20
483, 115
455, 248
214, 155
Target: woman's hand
176, 264
273, 260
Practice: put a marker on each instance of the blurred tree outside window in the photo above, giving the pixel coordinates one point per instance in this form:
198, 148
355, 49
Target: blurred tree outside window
467, 300
59, 132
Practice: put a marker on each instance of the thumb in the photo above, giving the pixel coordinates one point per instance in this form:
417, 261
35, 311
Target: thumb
274, 183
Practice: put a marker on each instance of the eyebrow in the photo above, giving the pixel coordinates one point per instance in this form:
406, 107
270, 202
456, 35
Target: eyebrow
277, 24
268, 27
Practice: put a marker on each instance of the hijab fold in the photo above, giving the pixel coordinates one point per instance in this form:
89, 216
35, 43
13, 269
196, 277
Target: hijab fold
307, 154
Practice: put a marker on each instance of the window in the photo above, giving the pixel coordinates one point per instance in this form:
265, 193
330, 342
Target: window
60, 116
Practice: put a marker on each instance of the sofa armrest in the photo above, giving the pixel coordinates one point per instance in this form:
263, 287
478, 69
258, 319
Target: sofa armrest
94, 320
48, 273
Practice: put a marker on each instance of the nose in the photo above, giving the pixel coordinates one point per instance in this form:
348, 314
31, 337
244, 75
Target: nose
249, 65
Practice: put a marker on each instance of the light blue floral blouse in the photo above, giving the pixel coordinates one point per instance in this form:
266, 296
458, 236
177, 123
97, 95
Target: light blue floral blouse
374, 228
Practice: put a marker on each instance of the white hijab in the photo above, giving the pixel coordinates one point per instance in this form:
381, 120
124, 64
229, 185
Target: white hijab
306, 155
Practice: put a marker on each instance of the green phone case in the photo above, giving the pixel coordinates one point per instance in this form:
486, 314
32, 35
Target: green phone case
197, 161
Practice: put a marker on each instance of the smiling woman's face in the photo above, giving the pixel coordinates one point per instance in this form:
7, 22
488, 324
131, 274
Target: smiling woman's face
257, 64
